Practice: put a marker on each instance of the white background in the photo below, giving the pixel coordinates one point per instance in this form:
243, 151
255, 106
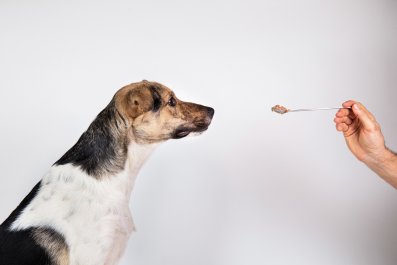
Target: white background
257, 188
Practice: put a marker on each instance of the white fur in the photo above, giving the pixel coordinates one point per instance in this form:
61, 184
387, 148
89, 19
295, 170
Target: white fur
93, 215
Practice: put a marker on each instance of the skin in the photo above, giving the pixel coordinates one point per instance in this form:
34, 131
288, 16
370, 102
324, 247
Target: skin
365, 140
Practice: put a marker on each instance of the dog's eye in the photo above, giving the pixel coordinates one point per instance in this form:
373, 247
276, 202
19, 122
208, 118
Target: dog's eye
172, 102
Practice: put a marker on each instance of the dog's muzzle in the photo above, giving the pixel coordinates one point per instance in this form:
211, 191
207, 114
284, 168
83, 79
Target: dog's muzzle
197, 126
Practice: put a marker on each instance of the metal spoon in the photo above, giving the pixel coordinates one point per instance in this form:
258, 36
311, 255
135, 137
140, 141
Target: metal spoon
282, 110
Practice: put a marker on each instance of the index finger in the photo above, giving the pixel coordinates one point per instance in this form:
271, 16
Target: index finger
349, 103
346, 112
342, 112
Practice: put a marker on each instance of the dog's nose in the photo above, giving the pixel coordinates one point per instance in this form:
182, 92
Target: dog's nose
210, 112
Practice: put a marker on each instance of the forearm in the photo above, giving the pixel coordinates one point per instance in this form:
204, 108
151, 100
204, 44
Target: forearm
386, 167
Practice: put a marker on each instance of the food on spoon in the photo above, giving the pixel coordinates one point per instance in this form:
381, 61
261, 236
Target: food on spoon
279, 109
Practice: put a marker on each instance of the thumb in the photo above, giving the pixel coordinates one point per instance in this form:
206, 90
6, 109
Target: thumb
363, 115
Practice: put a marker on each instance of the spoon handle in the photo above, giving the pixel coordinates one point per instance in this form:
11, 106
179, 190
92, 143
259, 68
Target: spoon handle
296, 110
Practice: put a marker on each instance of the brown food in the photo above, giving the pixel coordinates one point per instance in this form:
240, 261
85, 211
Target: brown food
279, 109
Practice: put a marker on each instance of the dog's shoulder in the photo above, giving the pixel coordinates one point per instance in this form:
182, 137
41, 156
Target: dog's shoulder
32, 245
19, 247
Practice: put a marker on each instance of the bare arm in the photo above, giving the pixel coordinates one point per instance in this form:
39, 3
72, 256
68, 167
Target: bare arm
365, 140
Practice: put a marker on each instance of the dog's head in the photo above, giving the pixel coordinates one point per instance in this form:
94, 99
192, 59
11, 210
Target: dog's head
155, 114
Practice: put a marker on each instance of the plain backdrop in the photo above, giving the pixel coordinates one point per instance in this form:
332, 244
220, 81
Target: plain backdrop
257, 188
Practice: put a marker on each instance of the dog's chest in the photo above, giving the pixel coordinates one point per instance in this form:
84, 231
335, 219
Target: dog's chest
96, 234
92, 215
94, 230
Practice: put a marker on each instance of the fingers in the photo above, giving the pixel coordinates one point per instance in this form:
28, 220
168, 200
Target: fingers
342, 113
346, 120
357, 111
343, 124
345, 112
349, 103
342, 127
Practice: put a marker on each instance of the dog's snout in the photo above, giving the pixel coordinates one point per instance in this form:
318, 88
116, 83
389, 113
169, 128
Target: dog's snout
210, 112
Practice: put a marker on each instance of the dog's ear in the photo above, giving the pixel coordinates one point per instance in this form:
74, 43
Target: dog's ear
139, 100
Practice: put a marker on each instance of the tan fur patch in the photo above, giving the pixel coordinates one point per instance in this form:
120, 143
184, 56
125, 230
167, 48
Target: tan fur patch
54, 244
135, 102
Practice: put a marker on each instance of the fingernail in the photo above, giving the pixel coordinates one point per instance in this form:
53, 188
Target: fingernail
355, 106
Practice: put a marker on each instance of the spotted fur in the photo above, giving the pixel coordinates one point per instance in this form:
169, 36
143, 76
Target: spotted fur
78, 214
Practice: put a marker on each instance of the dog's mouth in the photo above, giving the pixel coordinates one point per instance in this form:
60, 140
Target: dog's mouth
180, 134
184, 131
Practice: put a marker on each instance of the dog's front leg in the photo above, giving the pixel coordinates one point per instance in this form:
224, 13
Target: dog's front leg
120, 241
117, 250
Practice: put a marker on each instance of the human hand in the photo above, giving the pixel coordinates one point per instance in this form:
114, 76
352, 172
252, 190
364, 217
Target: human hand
362, 133
365, 140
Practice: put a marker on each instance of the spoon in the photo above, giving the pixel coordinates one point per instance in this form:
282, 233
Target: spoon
282, 110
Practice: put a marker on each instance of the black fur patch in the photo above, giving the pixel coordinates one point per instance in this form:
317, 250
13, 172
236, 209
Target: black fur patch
102, 148
19, 248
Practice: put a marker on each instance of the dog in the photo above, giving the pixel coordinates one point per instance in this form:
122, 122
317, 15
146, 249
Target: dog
78, 214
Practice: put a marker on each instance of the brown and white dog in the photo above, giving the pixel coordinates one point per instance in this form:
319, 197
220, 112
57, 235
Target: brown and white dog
78, 214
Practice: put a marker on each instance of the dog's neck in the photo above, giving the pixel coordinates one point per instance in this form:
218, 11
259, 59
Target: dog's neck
107, 147
121, 182
137, 156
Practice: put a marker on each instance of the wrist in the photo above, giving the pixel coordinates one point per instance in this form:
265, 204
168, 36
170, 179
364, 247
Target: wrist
387, 157
376, 157
385, 165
